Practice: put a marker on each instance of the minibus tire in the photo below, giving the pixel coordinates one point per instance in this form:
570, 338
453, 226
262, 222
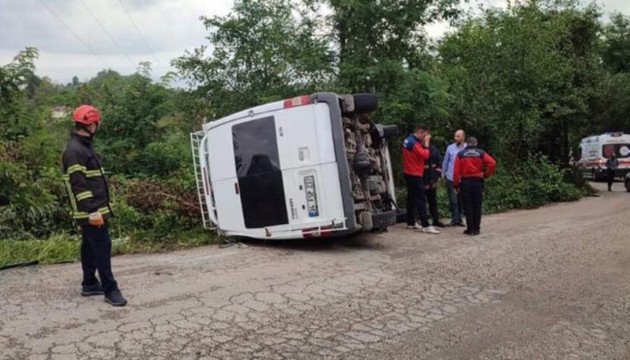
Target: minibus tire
364, 103
390, 131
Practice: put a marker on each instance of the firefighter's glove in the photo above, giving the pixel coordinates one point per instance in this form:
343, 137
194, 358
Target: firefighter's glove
96, 219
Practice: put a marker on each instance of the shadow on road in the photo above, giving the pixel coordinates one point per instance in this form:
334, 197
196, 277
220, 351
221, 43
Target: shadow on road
334, 244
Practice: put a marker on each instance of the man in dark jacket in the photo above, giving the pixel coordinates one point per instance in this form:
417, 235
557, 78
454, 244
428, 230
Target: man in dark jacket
472, 166
612, 164
89, 197
415, 154
433, 173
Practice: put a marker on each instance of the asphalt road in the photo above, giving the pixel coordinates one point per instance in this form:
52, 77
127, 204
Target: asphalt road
552, 283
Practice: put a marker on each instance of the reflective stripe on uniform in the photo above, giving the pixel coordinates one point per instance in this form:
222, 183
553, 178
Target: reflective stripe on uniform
83, 215
88, 173
80, 215
93, 173
84, 195
76, 214
74, 168
73, 202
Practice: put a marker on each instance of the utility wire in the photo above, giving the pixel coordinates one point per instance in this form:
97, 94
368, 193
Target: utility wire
50, 10
100, 25
146, 43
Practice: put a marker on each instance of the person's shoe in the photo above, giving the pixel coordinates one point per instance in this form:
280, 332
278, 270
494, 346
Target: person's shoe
115, 298
92, 290
468, 232
460, 224
414, 227
430, 230
476, 232
439, 224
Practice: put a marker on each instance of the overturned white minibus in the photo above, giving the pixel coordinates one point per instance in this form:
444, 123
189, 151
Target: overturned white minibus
311, 166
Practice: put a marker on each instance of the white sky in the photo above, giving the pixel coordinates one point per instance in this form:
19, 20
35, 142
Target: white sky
167, 28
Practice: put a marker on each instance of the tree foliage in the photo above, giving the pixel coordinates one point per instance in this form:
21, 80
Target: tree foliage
261, 51
525, 77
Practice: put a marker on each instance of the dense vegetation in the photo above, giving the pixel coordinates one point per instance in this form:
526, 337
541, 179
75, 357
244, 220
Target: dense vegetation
528, 81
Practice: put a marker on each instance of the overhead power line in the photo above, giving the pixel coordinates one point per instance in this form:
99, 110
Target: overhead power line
50, 10
100, 25
146, 43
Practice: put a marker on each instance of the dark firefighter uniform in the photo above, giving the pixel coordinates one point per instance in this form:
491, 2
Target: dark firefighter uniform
472, 166
88, 192
85, 180
432, 174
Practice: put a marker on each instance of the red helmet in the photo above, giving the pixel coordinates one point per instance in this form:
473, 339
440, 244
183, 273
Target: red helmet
87, 115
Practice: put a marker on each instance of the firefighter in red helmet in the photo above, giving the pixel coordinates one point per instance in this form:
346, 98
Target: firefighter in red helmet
88, 191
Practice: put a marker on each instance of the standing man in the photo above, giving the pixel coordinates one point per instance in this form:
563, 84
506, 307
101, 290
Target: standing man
432, 174
89, 197
415, 155
612, 164
448, 166
472, 166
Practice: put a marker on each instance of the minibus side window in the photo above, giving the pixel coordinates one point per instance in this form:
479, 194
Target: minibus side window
257, 163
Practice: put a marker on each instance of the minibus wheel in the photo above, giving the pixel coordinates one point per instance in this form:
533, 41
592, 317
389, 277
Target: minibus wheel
364, 103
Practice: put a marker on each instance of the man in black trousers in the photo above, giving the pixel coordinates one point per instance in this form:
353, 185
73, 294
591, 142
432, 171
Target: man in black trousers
612, 164
472, 166
415, 154
432, 174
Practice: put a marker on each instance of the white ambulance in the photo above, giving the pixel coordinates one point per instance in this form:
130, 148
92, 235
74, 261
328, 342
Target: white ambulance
595, 150
311, 166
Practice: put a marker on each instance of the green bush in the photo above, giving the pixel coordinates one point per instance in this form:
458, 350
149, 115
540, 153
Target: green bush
163, 158
534, 183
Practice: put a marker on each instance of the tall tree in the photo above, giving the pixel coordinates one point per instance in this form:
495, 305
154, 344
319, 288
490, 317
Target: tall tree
525, 76
260, 51
616, 52
375, 40
15, 120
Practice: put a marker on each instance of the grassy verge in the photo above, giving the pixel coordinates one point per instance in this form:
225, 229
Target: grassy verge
65, 248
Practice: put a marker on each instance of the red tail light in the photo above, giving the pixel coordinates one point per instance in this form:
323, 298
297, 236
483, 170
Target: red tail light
298, 101
325, 231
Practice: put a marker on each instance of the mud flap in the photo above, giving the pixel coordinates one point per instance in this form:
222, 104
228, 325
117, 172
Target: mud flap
383, 220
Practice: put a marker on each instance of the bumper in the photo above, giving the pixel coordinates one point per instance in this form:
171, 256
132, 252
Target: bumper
383, 220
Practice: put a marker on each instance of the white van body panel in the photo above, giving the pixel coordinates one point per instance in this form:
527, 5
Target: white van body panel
228, 203
304, 136
328, 193
249, 113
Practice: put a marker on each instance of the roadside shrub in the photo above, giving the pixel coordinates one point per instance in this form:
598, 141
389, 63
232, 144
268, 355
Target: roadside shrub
535, 183
163, 158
